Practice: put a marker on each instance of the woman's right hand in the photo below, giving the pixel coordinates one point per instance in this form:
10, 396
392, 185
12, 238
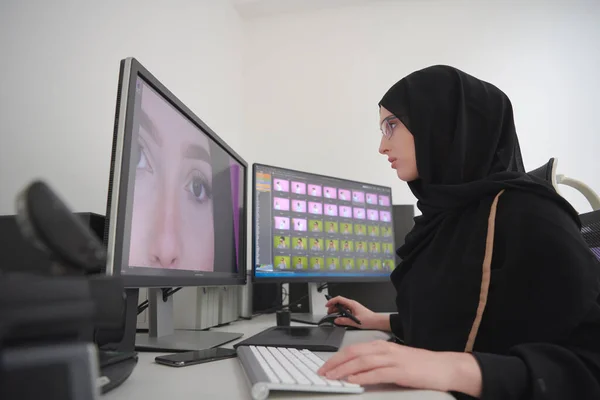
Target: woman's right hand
368, 318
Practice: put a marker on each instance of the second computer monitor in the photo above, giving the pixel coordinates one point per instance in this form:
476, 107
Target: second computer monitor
313, 228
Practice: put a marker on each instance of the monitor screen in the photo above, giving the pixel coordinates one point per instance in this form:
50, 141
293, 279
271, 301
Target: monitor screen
184, 200
311, 227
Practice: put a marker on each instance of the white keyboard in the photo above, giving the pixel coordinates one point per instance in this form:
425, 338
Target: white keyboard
280, 368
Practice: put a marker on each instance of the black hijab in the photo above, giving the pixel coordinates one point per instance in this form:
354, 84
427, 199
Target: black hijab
466, 145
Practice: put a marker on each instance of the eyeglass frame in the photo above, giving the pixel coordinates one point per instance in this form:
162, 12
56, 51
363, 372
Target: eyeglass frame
386, 124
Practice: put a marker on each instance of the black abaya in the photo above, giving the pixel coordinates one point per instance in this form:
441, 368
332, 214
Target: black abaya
539, 334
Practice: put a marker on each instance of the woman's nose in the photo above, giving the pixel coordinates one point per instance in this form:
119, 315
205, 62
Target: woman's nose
166, 249
383, 146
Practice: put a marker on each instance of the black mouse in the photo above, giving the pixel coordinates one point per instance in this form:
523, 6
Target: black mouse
329, 318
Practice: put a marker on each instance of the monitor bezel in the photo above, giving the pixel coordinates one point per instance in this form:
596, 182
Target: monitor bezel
116, 217
310, 279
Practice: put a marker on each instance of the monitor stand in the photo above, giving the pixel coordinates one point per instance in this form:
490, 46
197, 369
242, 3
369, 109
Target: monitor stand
316, 306
162, 336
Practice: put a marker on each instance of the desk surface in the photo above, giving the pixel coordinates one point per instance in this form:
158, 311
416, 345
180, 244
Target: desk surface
225, 379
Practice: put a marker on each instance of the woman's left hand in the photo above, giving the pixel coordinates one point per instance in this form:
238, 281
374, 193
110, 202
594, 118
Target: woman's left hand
386, 362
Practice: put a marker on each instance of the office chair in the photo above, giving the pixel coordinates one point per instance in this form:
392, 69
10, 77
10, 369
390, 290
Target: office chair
590, 229
590, 222
547, 172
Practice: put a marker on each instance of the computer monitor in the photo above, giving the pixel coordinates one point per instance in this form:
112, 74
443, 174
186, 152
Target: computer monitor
176, 209
315, 228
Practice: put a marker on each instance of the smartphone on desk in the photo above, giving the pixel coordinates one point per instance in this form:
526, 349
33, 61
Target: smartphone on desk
195, 357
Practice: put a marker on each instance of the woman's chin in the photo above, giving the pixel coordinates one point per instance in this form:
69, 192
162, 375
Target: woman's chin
406, 175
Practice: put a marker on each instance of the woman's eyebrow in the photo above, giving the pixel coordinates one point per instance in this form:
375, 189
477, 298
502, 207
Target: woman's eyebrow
387, 119
197, 152
149, 126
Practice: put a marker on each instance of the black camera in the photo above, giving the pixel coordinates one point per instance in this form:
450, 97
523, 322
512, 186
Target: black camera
63, 323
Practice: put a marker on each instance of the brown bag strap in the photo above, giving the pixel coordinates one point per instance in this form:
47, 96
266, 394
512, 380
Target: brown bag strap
485, 274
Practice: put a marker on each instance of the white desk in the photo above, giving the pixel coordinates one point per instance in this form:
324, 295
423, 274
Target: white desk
225, 379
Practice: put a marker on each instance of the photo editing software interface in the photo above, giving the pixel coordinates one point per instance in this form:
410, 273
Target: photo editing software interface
315, 226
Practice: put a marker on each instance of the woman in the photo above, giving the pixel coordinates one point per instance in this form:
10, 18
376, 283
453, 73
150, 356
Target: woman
281, 244
315, 227
332, 264
282, 263
316, 246
330, 246
497, 291
317, 264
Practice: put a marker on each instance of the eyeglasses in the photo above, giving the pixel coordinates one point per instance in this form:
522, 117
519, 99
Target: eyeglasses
387, 126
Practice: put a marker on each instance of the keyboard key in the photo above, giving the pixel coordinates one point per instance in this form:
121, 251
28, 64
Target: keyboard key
314, 378
313, 367
275, 366
311, 356
317, 362
263, 364
293, 371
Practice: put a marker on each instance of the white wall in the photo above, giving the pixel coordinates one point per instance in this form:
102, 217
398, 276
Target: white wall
313, 80
59, 67
306, 95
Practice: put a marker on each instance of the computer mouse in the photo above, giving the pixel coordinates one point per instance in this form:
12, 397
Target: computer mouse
328, 319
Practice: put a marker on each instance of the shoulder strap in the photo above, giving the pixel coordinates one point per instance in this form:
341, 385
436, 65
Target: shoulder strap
485, 274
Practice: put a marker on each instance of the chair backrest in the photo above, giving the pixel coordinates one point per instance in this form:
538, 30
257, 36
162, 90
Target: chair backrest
547, 172
590, 229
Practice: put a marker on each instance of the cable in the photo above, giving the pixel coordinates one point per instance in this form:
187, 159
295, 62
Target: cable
277, 308
170, 292
166, 292
291, 303
301, 321
323, 287
142, 307
395, 339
